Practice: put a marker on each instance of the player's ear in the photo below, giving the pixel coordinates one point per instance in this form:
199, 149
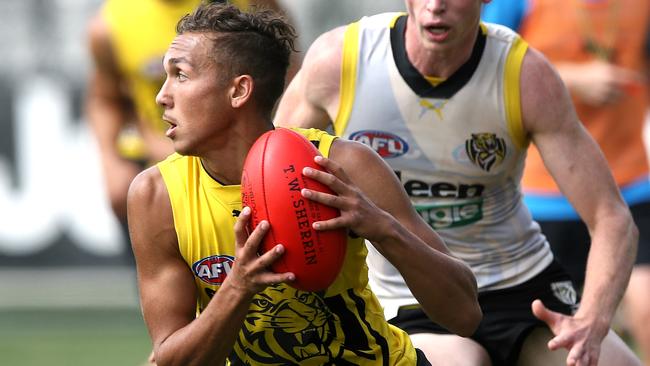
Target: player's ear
241, 90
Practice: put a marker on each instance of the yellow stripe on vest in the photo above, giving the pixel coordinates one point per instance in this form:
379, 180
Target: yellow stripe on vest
512, 92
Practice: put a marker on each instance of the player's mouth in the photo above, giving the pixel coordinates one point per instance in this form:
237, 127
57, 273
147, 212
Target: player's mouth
437, 33
172, 126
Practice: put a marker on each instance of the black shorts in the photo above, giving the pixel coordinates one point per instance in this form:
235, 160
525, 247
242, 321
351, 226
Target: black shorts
421, 359
507, 315
570, 241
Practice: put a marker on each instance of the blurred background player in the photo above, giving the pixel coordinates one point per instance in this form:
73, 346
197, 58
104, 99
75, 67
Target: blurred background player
452, 105
225, 71
599, 48
127, 42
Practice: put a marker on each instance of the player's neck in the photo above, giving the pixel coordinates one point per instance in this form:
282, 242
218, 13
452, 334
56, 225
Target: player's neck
225, 162
437, 61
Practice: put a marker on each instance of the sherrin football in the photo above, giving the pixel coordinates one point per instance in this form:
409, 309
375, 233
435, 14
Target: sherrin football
271, 182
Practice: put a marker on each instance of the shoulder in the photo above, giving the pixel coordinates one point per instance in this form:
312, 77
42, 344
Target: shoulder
148, 189
357, 158
312, 96
323, 58
545, 99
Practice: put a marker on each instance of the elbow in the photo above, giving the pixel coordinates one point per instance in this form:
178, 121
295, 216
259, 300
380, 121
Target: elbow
465, 320
471, 315
468, 323
634, 234
467, 317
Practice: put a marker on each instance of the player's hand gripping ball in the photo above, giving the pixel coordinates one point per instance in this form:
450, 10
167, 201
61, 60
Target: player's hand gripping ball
271, 182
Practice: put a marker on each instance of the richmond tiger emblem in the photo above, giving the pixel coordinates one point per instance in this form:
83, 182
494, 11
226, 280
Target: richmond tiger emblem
293, 328
486, 150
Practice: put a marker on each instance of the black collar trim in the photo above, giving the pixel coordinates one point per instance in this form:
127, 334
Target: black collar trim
417, 82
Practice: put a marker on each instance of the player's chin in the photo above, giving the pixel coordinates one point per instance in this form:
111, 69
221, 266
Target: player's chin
183, 148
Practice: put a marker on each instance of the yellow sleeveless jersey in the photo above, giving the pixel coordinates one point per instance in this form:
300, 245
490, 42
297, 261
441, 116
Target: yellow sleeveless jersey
140, 32
341, 325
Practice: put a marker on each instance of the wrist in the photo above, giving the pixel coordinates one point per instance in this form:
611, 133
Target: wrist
389, 231
598, 318
235, 291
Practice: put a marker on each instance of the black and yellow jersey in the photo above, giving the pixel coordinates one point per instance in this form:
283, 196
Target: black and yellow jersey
343, 324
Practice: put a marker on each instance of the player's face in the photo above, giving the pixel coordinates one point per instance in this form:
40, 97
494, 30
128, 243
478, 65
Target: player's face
443, 24
193, 98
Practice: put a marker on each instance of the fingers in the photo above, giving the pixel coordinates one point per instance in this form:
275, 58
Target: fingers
324, 198
241, 226
624, 75
260, 267
271, 278
561, 341
552, 319
267, 259
331, 224
549, 317
332, 167
253, 270
325, 178
578, 356
249, 245
334, 176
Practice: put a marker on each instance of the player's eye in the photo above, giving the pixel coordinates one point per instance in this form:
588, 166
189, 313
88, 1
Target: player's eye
181, 76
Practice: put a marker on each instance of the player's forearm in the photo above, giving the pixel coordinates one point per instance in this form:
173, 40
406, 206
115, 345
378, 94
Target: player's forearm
209, 339
609, 265
444, 286
106, 121
570, 74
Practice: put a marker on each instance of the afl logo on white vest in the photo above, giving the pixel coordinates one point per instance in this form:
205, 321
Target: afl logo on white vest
386, 144
213, 270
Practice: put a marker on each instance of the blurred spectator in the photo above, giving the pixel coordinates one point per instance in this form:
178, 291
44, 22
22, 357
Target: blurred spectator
127, 41
600, 50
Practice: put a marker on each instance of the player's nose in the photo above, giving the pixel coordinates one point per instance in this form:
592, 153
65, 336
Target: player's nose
163, 98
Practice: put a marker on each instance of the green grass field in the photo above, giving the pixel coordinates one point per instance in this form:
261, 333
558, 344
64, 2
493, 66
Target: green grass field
73, 337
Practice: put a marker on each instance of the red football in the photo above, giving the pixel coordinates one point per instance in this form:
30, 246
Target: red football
271, 182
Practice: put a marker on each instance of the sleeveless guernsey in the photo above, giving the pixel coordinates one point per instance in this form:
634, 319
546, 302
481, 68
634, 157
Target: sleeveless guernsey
458, 148
343, 325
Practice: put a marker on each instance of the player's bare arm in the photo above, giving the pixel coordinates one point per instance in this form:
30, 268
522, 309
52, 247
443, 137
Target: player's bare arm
312, 97
107, 111
580, 169
374, 205
105, 99
167, 288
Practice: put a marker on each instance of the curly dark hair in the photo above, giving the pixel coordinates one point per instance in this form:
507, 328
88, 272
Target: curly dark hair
256, 43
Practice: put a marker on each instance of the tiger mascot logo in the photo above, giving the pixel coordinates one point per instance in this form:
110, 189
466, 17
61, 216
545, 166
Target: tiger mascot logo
293, 328
486, 150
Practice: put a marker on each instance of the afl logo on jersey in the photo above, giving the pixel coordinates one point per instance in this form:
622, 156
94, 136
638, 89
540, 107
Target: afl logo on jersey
386, 144
213, 270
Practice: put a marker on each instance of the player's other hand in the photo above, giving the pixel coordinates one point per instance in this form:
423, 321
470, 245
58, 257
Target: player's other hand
581, 337
600, 83
358, 212
251, 272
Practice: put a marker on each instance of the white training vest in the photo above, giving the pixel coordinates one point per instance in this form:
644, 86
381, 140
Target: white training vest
458, 148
